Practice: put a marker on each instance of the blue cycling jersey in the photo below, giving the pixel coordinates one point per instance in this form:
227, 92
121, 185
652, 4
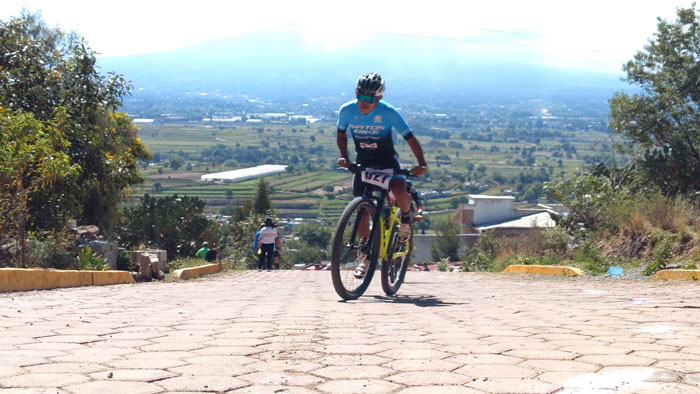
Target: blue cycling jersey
372, 133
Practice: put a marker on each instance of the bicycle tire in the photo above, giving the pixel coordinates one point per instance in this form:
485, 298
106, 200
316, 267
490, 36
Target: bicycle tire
344, 251
394, 270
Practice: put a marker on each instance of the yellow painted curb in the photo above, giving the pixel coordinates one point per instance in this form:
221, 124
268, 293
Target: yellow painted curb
677, 275
193, 272
559, 270
101, 278
25, 279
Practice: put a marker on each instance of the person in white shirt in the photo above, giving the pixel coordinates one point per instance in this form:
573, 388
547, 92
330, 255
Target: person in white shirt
267, 240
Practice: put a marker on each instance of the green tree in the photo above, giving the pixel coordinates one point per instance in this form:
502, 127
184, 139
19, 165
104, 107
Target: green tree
31, 158
44, 70
172, 223
241, 212
262, 204
663, 120
314, 234
241, 234
446, 244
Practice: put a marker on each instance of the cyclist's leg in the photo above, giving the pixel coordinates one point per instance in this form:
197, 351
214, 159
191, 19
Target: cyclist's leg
403, 200
398, 189
358, 189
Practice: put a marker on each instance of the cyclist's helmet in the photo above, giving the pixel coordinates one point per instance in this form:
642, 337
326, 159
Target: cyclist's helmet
205, 243
371, 84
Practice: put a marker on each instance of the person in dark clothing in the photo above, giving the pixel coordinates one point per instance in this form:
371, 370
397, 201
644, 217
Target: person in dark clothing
211, 255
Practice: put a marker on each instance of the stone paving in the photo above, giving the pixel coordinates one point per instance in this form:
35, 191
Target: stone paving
287, 332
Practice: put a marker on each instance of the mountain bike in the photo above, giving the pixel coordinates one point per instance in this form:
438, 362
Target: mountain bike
368, 230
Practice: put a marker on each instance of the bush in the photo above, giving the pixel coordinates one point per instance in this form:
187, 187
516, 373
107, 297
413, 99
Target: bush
446, 244
50, 251
589, 255
555, 240
442, 264
474, 259
124, 262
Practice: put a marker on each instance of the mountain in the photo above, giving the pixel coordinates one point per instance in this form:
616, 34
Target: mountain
283, 65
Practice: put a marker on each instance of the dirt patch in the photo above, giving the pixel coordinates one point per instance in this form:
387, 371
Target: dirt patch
627, 246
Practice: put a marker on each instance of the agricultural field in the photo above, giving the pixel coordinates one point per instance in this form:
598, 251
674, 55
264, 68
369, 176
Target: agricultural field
460, 163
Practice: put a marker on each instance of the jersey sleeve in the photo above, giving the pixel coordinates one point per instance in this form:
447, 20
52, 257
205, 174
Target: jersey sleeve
399, 124
343, 119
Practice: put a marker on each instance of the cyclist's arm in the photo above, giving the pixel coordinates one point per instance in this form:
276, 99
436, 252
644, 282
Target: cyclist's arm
342, 140
417, 151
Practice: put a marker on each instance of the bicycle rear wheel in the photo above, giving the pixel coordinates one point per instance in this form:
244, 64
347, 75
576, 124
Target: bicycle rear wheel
349, 250
394, 268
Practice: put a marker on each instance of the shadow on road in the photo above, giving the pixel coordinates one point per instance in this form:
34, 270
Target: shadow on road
422, 301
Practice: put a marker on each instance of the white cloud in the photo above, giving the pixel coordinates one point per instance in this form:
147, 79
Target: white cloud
595, 34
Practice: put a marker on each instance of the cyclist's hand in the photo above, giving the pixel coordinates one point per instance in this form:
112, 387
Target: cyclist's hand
419, 170
342, 162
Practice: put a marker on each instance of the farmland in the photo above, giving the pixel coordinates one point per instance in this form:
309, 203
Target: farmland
460, 163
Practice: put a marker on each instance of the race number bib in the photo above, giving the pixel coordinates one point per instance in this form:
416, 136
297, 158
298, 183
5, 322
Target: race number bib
379, 178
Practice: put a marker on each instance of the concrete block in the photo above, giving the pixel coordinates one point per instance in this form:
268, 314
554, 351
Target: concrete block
558, 270
101, 278
193, 272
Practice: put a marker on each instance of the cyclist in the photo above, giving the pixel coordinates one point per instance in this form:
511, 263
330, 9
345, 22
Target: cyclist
370, 121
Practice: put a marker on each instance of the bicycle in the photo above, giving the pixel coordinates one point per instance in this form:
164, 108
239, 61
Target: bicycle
373, 212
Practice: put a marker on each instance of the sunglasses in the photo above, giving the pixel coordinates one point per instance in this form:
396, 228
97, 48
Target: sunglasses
367, 98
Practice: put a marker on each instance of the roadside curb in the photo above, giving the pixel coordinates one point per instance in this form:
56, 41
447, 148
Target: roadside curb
559, 270
677, 275
26, 279
193, 272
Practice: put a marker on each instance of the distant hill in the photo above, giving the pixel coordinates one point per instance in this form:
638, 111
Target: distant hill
282, 65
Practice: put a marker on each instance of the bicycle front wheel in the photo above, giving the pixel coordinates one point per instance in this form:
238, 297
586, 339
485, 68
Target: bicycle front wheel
355, 245
394, 268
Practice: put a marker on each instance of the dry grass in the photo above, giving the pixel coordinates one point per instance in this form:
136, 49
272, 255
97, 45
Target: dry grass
648, 220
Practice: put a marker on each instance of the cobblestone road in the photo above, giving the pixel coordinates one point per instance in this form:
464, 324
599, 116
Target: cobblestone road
287, 332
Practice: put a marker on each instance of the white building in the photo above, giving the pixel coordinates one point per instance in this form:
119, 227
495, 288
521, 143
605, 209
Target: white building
244, 173
497, 213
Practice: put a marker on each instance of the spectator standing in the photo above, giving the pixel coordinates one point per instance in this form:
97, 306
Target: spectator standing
211, 255
202, 252
267, 240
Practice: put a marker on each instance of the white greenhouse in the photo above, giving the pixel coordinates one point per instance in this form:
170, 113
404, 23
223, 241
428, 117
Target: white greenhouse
244, 173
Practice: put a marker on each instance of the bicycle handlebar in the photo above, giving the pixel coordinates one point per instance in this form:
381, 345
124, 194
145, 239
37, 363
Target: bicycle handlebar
357, 168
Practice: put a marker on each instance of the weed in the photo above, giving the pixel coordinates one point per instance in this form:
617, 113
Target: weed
87, 260
663, 253
442, 264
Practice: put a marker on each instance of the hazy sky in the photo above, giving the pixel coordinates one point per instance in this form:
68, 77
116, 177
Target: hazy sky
592, 34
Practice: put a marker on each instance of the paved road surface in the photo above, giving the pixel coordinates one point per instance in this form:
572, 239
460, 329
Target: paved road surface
287, 332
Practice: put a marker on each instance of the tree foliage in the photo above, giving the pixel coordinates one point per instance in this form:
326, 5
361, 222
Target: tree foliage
173, 223
314, 234
44, 70
31, 158
663, 121
262, 203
